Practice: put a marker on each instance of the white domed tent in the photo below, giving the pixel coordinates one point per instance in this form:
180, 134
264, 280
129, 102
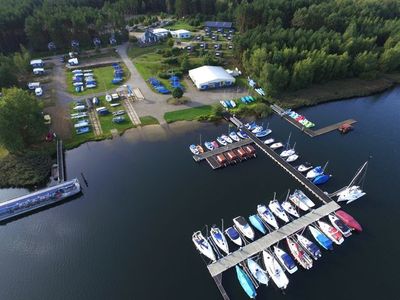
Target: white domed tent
208, 77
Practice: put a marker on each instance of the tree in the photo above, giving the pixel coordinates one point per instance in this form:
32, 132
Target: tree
7, 72
21, 121
170, 42
365, 62
390, 59
185, 64
177, 93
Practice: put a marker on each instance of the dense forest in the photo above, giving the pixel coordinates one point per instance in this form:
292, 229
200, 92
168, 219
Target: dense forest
283, 44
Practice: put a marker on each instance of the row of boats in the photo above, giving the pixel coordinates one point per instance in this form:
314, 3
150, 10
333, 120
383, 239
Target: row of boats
275, 261
299, 118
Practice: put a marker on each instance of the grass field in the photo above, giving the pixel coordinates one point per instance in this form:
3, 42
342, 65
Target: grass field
189, 114
103, 76
106, 121
181, 24
148, 120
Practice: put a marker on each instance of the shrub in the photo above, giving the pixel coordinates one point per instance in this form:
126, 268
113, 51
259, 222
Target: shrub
167, 53
175, 51
177, 93
170, 61
163, 75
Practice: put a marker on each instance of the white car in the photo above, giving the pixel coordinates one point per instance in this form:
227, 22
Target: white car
38, 91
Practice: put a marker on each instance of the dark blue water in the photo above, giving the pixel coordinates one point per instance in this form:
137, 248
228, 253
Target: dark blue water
129, 235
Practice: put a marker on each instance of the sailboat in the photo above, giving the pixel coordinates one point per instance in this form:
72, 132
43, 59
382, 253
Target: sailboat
288, 152
352, 192
257, 271
321, 179
289, 208
286, 260
246, 282
203, 245
275, 271
267, 216
219, 239
269, 141
277, 145
316, 172
321, 238
277, 209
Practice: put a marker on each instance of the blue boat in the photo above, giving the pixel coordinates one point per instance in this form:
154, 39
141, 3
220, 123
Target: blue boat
251, 126
321, 179
242, 134
246, 283
257, 223
228, 103
263, 133
321, 238
82, 130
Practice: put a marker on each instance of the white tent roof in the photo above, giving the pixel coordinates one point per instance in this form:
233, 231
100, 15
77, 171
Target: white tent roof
180, 31
160, 31
208, 74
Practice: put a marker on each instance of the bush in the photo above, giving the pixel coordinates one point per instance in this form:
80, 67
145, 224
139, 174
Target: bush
163, 75
170, 61
177, 93
160, 51
167, 53
175, 51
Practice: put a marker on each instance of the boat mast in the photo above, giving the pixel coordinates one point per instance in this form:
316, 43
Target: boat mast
288, 141
287, 196
326, 164
360, 170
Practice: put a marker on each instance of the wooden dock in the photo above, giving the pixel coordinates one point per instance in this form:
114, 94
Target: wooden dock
270, 239
312, 133
229, 147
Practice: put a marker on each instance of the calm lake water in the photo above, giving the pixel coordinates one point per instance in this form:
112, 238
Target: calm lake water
129, 235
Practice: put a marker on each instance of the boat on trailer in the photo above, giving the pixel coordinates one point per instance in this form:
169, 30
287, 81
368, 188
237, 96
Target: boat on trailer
219, 239
275, 271
321, 238
286, 260
267, 216
234, 236
246, 282
257, 272
203, 245
339, 225
244, 227
309, 246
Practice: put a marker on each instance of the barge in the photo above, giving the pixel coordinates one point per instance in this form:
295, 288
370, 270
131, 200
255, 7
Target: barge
38, 199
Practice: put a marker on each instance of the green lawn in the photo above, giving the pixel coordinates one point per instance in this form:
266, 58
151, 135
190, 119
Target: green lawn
181, 24
135, 51
149, 120
103, 76
189, 114
106, 121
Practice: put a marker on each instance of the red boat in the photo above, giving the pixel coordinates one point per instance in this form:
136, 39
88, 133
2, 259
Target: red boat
349, 220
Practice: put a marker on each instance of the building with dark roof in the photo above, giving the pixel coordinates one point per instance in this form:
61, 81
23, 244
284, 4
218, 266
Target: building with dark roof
215, 24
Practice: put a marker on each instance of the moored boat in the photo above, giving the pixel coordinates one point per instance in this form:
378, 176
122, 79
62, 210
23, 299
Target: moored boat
289, 208
257, 129
314, 172
331, 232
339, 225
223, 104
209, 145
200, 149
269, 141
277, 145
321, 179
233, 135
302, 258
309, 246
287, 153
286, 260
257, 272
219, 239
242, 134
267, 216
203, 245
194, 149
263, 133
304, 198
234, 236
215, 144
246, 283
275, 271
244, 227
350, 194
304, 167
278, 211
257, 223
226, 138
349, 220
222, 141
292, 158
321, 238
251, 126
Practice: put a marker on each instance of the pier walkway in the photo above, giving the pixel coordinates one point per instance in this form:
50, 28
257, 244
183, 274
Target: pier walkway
60, 161
270, 239
312, 133
316, 191
234, 145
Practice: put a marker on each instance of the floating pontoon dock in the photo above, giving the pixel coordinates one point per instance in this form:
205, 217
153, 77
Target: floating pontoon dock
222, 149
312, 133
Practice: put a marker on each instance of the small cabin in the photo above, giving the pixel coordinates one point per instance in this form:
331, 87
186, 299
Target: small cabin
241, 152
221, 159
250, 150
345, 128
231, 156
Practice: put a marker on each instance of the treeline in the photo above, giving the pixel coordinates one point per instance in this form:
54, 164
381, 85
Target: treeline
289, 44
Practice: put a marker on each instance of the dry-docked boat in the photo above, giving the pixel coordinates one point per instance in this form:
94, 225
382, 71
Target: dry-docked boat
203, 245
302, 258
267, 216
219, 239
275, 271
244, 227
286, 260
331, 232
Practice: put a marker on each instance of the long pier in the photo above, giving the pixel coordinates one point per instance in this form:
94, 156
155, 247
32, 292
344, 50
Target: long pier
222, 149
60, 161
312, 133
270, 239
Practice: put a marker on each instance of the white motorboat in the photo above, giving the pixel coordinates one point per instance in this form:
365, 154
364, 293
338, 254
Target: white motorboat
296, 201
286, 260
275, 271
287, 153
350, 194
267, 216
222, 141
275, 146
302, 258
257, 271
304, 167
219, 239
257, 129
304, 198
315, 172
194, 149
203, 245
269, 141
292, 158
289, 208
234, 236
226, 138
339, 225
278, 211
309, 246
244, 227
233, 135
331, 232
